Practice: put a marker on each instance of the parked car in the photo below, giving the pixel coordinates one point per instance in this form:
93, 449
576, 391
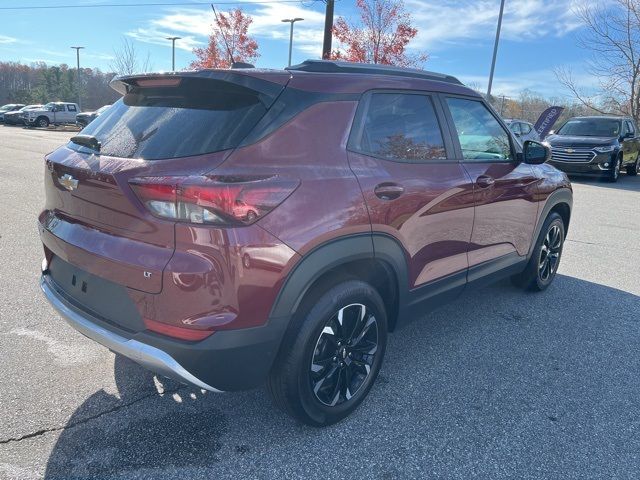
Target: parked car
15, 117
85, 118
378, 193
10, 107
53, 113
522, 130
600, 146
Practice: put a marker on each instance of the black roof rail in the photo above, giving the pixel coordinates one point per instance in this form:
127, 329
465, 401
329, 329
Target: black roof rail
332, 66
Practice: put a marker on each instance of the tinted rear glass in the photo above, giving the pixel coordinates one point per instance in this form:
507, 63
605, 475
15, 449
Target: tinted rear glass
198, 116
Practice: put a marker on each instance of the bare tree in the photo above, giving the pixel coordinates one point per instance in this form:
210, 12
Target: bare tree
612, 35
127, 60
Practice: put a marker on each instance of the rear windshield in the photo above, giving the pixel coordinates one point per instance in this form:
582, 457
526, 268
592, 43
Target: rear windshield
198, 116
591, 127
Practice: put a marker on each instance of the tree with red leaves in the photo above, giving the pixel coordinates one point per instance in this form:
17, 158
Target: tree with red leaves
232, 27
382, 36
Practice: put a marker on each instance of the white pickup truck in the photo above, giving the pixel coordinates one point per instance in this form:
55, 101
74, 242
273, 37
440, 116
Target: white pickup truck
53, 113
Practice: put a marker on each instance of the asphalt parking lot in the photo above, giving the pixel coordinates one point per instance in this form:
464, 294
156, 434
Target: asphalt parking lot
499, 384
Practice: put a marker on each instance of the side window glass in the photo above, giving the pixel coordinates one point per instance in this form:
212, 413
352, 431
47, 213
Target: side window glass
481, 137
59, 108
515, 128
631, 128
402, 127
72, 108
526, 128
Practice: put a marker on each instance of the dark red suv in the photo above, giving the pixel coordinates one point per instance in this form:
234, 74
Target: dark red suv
231, 228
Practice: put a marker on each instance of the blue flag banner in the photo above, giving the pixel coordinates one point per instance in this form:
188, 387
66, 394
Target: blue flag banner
547, 120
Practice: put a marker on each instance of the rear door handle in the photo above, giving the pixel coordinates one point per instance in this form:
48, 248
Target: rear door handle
388, 191
485, 181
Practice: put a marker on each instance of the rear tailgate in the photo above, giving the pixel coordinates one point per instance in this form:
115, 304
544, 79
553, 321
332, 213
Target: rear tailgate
93, 220
184, 124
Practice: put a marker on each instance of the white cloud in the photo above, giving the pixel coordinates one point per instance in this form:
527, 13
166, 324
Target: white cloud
539, 81
308, 34
195, 25
159, 37
455, 21
6, 40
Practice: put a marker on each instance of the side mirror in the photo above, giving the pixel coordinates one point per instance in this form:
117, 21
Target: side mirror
628, 135
535, 153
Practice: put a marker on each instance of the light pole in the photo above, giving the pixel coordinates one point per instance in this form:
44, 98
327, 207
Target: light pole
328, 28
495, 50
77, 49
291, 21
173, 52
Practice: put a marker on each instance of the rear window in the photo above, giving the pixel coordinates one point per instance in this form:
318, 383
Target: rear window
199, 116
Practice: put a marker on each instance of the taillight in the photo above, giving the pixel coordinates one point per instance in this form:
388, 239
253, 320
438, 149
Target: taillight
182, 333
215, 200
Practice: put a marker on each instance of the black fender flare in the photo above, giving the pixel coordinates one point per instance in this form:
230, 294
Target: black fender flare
314, 264
560, 196
334, 253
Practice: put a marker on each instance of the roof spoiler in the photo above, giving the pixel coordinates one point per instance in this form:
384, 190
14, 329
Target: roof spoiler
268, 91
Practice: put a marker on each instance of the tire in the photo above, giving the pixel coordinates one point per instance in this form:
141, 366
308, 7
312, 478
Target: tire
42, 122
632, 170
317, 368
614, 173
543, 265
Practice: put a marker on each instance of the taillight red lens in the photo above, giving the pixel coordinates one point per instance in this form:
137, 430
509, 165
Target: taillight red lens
212, 200
177, 332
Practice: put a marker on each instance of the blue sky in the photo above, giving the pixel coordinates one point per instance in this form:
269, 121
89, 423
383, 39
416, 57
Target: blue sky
538, 35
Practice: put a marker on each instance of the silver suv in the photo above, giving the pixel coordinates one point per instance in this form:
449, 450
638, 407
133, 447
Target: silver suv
523, 130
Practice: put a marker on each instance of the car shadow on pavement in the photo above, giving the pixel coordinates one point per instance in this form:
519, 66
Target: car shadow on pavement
625, 182
494, 384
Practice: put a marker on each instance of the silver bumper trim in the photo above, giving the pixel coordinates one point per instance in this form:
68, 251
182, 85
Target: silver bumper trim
149, 357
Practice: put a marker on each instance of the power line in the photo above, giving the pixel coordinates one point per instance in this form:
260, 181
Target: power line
154, 4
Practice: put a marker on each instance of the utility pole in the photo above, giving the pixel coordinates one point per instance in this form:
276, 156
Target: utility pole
291, 21
495, 50
328, 30
173, 52
77, 49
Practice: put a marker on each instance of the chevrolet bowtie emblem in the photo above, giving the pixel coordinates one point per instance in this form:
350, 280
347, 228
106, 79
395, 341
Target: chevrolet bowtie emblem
570, 150
68, 182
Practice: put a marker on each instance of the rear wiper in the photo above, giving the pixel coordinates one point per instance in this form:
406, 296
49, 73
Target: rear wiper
87, 141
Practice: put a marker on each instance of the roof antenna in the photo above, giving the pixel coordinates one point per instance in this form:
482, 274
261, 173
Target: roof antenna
223, 37
234, 64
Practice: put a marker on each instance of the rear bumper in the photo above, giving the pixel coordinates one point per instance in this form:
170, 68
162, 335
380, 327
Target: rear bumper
149, 357
228, 360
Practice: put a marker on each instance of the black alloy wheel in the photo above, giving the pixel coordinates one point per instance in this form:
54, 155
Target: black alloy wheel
332, 353
545, 259
344, 354
550, 253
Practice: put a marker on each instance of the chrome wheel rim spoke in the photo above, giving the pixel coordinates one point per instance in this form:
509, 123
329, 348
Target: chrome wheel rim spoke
344, 354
